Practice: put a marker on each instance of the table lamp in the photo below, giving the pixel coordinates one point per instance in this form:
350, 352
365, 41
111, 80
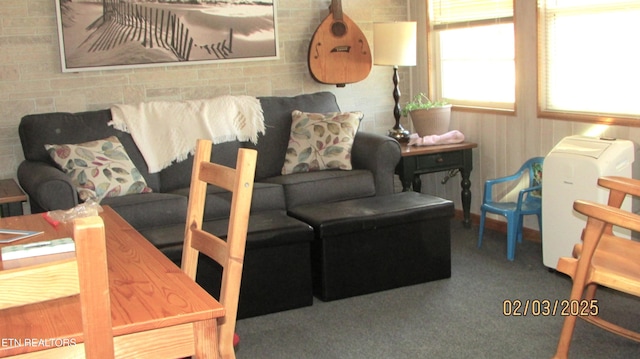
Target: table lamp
394, 44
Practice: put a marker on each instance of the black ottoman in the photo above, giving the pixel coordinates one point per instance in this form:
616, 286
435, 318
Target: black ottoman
276, 275
378, 243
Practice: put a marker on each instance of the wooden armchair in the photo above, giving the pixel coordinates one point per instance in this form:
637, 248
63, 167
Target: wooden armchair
602, 259
230, 253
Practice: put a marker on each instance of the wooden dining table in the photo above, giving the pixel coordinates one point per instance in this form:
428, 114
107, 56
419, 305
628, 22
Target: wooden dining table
157, 310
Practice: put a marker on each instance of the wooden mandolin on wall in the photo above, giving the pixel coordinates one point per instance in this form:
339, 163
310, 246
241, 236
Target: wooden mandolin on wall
339, 52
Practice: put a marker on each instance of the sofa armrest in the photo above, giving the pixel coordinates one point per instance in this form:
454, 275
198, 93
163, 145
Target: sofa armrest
48, 187
378, 153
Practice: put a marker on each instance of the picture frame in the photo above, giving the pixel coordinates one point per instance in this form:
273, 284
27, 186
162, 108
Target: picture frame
116, 34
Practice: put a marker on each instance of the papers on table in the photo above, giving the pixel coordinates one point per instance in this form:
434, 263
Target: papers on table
12, 235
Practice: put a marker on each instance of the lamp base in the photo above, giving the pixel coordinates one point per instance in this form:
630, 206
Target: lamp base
400, 134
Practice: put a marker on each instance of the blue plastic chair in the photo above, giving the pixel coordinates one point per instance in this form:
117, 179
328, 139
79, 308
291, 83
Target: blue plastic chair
529, 202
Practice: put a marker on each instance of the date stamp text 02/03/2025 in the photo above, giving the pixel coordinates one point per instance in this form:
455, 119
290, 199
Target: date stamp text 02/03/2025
549, 307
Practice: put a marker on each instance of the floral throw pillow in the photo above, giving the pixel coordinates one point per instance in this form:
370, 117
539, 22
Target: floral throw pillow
99, 168
321, 141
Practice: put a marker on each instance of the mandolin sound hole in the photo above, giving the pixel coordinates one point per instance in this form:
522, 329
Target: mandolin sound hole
338, 29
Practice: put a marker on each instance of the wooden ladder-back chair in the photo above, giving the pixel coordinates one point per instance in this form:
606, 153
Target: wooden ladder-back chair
85, 274
230, 253
602, 258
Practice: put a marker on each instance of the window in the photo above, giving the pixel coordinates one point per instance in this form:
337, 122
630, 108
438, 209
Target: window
473, 52
589, 60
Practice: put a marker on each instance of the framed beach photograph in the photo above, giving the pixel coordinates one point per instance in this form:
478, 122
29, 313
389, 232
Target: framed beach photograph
115, 34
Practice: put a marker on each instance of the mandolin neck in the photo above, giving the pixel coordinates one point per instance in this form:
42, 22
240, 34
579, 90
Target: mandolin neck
336, 9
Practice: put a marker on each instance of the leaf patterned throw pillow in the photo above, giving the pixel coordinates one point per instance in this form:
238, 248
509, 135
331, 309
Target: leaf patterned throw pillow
321, 141
99, 168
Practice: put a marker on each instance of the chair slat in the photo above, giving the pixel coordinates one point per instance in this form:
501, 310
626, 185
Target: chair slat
42, 282
211, 245
218, 175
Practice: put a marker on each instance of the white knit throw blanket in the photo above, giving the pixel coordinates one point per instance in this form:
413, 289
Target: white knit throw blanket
167, 131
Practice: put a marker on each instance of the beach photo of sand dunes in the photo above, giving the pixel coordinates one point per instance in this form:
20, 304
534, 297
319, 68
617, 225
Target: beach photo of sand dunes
103, 34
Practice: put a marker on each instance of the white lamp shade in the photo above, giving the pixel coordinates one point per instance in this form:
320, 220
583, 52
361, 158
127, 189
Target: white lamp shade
394, 43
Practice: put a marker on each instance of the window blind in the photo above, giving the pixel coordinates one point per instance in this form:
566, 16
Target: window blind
588, 56
473, 56
451, 14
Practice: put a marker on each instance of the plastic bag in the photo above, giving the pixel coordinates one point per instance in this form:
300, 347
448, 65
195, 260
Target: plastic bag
86, 209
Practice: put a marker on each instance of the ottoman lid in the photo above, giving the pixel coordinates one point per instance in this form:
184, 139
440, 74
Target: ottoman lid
266, 229
329, 219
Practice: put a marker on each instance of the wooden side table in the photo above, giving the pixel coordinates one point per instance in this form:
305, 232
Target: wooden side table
417, 160
11, 198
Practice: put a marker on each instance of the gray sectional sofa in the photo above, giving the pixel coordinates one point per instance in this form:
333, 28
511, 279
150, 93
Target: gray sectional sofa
277, 269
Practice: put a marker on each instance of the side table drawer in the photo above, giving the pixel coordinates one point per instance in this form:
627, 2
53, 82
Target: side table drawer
441, 160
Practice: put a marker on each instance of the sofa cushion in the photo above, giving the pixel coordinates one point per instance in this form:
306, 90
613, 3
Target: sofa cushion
99, 169
38, 130
149, 210
266, 196
320, 141
325, 186
272, 146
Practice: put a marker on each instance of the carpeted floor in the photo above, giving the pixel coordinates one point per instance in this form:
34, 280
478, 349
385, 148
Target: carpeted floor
460, 317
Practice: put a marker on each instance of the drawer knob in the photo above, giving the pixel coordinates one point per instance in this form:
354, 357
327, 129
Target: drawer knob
439, 160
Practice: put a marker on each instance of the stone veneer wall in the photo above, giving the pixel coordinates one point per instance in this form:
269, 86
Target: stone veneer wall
31, 80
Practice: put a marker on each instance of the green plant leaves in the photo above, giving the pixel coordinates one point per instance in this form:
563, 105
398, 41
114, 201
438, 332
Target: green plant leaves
421, 102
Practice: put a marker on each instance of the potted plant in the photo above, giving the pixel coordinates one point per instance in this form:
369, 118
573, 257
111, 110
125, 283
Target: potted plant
428, 117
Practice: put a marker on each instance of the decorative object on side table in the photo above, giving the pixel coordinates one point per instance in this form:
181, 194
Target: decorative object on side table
428, 117
394, 44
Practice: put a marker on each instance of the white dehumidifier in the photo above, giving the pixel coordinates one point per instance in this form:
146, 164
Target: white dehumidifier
571, 172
